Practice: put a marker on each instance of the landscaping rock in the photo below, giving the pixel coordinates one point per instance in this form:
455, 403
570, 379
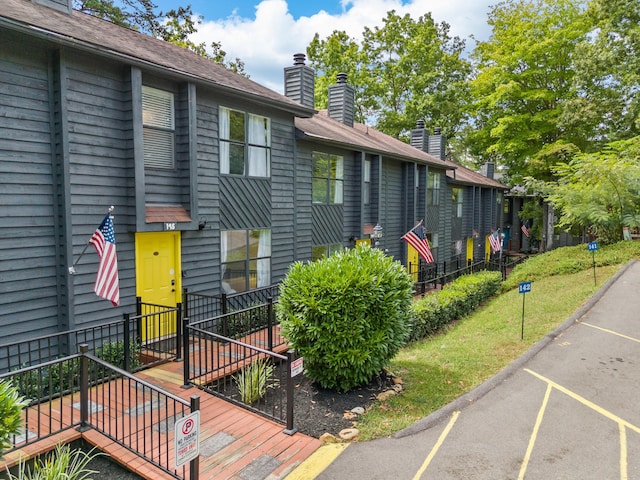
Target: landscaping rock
349, 434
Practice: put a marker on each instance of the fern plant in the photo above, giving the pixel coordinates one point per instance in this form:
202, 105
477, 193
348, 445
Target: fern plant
254, 379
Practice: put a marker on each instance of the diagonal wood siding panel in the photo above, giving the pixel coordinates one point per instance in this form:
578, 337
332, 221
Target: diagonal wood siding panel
245, 203
327, 224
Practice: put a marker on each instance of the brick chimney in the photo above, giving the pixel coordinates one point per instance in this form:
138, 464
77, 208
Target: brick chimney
63, 6
299, 81
342, 97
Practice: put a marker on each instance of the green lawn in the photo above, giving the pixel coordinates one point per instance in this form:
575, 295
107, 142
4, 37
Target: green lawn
440, 368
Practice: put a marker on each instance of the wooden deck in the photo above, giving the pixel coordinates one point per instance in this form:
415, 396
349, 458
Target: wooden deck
235, 443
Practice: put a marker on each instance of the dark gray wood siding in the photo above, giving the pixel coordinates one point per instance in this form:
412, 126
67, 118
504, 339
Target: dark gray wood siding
28, 230
97, 95
352, 198
283, 196
392, 216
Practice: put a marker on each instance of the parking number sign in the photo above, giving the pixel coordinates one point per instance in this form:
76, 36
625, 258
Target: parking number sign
524, 287
187, 438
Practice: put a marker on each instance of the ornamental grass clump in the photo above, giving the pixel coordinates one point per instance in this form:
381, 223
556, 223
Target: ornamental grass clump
347, 315
253, 380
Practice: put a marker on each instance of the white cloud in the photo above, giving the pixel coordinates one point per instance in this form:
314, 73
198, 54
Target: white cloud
267, 42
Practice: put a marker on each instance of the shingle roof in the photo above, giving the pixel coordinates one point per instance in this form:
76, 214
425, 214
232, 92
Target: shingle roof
104, 38
324, 129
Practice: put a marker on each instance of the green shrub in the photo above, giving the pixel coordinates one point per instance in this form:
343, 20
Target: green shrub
253, 380
11, 404
347, 315
113, 353
454, 301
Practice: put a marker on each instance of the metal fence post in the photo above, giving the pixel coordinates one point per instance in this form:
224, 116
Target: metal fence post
179, 337
127, 343
84, 388
270, 323
194, 465
186, 364
289, 430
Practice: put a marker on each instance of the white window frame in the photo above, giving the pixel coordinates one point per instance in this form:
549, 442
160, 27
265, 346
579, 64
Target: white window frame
158, 126
255, 144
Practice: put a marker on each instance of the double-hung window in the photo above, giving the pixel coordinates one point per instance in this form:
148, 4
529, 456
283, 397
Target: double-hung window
245, 143
457, 200
158, 124
246, 259
328, 178
433, 189
366, 190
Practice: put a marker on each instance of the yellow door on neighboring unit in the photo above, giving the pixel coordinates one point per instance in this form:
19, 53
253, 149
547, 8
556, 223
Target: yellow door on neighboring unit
469, 249
412, 262
158, 279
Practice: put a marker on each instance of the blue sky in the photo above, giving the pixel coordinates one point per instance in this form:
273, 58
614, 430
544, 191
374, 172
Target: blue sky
265, 34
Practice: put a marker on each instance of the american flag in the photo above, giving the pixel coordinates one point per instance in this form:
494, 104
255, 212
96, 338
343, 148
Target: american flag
495, 241
104, 241
525, 230
417, 239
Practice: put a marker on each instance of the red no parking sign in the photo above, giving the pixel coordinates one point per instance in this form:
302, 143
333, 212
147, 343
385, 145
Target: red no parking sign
187, 438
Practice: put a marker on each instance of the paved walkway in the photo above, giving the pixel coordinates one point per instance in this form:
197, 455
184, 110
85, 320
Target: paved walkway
567, 409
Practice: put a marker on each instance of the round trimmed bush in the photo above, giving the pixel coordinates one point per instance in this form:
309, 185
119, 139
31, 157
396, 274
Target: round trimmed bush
347, 315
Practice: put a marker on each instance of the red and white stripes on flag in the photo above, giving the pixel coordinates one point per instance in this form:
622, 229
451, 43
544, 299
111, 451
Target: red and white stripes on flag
107, 282
525, 230
417, 239
495, 241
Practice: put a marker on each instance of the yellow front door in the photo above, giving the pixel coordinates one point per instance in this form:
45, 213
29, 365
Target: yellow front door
158, 279
412, 262
469, 249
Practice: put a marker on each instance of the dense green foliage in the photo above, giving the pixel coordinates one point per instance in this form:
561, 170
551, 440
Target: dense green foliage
347, 315
454, 301
10, 421
567, 260
599, 191
405, 70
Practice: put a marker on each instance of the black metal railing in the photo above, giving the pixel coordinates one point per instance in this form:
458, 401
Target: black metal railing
132, 343
78, 391
200, 306
234, 368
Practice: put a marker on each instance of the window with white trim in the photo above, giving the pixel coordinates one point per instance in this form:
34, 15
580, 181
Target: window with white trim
457, 199
245, 259
366, 188
245, 143
328, 178
158, 126
433, 189
322, 251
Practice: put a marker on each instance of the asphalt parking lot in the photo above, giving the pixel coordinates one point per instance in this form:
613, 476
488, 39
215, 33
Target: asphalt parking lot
567, 409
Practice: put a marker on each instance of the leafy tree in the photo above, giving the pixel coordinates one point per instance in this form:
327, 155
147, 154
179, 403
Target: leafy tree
347, 314
599, 190
607, 73
524, 77
403, 71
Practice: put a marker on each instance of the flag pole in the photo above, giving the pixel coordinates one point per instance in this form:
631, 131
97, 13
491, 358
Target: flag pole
72, 268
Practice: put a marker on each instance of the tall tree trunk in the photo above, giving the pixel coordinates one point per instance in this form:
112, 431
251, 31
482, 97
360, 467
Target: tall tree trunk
548, 226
